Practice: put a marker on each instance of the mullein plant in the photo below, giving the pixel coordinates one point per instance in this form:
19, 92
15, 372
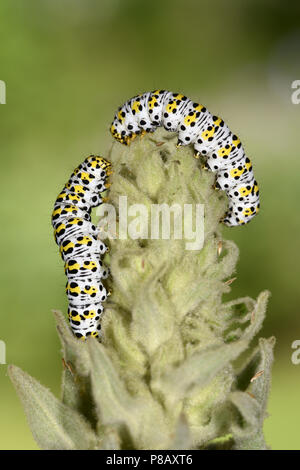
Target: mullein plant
174, 368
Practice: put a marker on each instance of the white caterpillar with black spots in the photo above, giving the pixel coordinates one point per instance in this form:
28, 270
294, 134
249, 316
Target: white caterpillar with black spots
210, 137
80, 246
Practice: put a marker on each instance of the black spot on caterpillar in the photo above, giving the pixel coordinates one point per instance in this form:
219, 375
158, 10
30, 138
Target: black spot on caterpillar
210, 137
79, 245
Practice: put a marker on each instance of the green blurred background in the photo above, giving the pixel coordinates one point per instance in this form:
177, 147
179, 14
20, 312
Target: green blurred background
67, 65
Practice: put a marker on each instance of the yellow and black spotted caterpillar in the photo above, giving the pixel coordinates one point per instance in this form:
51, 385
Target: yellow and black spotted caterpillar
210, 136
79, 245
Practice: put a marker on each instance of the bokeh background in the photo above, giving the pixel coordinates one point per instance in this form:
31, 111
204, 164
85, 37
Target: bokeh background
67, 65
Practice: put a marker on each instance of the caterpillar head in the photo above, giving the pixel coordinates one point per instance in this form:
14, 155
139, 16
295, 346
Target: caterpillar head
95, 163
118, 130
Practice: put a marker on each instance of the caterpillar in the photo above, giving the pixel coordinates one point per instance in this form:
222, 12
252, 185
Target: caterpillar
79, 245
210, 136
